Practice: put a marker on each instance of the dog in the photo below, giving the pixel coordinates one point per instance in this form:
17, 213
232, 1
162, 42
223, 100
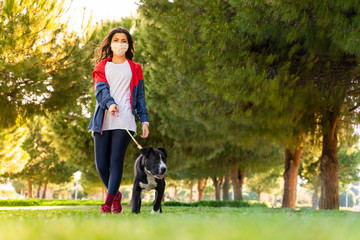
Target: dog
149, 170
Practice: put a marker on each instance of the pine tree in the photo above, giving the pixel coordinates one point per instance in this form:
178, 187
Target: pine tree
194, 92
44, 165
13, 158
40, 61
269, 70
313, 44
264, 182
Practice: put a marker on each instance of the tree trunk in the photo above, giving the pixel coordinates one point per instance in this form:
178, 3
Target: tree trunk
191, 193
237, 179
241, 177
315, 197
201, 189
234, 175
292, 163
329, 167
30, 195
259, 195
44, 191
38, 190
217, 183
226, 186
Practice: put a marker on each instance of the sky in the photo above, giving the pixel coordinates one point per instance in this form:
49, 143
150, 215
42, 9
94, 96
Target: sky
99, 9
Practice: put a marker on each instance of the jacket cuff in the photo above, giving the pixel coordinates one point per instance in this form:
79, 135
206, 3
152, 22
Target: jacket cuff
143, 118
109, 103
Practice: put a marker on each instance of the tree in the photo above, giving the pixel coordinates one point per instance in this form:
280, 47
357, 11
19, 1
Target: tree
311, 47
349, 160
13, 158
40, 61
310, 171
217, 182
348, 157
44, 165
264, 182
201, 185
201, 111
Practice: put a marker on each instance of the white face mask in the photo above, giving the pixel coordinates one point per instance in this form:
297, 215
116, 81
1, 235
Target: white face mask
119, 49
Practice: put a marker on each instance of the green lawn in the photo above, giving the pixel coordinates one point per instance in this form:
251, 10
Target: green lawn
180, 223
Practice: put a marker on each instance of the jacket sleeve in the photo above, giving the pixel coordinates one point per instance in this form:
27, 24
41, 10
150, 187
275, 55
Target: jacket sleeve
141, 105
102, 94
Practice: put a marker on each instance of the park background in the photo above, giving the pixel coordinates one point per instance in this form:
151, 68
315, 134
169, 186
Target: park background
253, 100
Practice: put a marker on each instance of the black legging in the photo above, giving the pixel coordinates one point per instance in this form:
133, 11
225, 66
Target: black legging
110, 149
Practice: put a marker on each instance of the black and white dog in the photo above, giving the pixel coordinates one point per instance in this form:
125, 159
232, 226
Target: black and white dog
149, 168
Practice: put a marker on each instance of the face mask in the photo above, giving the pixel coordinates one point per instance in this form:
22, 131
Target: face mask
119, 49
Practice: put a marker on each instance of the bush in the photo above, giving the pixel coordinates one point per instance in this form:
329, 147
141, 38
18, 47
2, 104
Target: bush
236, 204
63, 202
19, 202
177, 204
42, 202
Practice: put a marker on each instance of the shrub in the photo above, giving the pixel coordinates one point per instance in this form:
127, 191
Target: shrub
63, 202
19, 202
177, 204
236, 204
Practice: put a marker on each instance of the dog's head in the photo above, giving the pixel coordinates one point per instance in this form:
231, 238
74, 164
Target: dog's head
154, 161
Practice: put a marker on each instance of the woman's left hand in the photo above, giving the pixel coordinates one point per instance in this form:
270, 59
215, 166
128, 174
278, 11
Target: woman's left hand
145, 130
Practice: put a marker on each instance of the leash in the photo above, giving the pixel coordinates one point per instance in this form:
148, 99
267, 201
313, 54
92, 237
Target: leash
137, 144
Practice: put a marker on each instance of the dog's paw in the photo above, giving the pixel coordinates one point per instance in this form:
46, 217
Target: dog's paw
155, 212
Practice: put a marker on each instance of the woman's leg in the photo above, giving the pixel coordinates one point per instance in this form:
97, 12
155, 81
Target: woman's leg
102, 147
120, 140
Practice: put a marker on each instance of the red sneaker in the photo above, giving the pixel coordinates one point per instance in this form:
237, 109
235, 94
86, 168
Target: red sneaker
105, 209
117, 208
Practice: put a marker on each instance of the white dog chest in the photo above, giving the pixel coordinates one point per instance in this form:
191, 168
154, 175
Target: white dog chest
151, 182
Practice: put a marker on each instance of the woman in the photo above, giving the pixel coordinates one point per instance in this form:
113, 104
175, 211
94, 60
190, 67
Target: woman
120, 97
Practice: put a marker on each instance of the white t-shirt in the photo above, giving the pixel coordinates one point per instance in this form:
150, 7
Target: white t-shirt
119, 78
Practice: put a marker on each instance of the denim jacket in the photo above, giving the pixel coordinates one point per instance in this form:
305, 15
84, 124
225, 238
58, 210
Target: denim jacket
104, 100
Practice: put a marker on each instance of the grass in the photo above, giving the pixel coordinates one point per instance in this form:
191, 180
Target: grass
180, 223
63, 202
42, 202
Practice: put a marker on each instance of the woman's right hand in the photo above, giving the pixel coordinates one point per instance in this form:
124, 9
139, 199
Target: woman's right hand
114, 109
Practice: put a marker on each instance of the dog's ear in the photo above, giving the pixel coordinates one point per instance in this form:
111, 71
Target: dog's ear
162, 149
146, 151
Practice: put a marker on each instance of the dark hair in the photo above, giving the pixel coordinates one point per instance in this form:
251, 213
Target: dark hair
104, 51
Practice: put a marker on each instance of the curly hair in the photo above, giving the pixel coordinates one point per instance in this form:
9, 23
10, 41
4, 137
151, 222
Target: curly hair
104, 51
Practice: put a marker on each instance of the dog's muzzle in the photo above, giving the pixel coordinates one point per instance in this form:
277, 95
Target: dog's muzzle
161, 174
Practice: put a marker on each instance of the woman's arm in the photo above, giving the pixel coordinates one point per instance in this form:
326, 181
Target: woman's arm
141, 105
102, 94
